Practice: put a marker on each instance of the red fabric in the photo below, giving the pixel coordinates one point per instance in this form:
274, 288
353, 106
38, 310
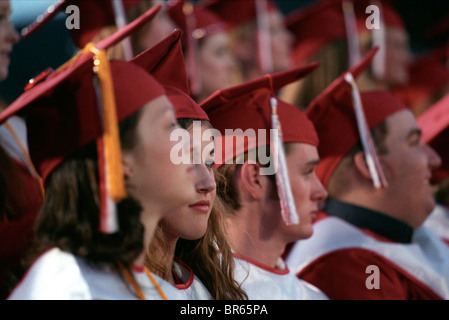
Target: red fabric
165, 62
341, 276
15, 235
253, 111
183, 285
247, 106
65, 130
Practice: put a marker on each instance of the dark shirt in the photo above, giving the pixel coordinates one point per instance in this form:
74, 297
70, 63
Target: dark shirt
364, 218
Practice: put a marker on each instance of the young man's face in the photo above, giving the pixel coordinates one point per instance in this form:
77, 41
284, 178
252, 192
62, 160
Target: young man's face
307, 189
408, 167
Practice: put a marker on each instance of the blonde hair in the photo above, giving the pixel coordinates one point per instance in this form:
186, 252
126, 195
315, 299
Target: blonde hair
333, 61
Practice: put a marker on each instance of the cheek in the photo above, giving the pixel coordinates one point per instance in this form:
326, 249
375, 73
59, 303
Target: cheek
300, 191
154, 154
409, 167
281, 54
211, 64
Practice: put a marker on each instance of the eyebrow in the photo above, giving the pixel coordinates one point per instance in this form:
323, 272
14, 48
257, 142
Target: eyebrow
163, 111
312, 162
414, 131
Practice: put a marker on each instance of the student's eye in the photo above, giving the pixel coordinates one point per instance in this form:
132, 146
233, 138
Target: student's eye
210, 163
173, 125
416, 141
309, 172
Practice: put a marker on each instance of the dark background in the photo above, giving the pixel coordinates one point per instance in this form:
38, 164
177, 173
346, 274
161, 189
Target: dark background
51, 45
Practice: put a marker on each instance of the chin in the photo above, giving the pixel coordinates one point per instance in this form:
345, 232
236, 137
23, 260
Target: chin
3, 75
305, 232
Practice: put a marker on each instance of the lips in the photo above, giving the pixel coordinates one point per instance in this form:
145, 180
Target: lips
201, 206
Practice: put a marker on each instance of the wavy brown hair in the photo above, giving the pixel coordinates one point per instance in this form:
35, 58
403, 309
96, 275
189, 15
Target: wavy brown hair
69, 217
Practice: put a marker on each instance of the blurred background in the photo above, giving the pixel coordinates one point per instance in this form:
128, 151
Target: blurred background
426, 21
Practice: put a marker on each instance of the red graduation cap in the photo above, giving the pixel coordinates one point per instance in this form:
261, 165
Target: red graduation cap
94, 15
247, 106
434, 123
253, 106
165, 61
340, 126
81, 102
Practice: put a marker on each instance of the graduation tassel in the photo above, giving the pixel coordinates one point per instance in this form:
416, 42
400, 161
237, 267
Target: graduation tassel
112, 185
288, 208
263, 38
379, 40
372, 159
192, 50
351, 32
121, 21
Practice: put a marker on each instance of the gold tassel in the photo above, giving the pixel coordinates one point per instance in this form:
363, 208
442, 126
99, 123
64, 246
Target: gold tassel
113, 160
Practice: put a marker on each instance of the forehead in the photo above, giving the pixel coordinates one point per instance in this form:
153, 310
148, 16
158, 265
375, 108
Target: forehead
216, 39
400, 124
302, 152
157, 108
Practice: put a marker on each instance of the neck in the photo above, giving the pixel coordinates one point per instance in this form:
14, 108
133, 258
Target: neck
377, 200
149, 221
253, 237
374, 221
167, 260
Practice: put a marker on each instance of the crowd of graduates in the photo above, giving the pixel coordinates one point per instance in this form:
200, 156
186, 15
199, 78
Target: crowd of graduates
345, 195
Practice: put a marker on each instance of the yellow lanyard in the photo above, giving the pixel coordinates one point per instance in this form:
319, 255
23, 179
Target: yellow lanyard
136, 286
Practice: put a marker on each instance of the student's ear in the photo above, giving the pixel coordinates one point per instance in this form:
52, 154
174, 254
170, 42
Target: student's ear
251, 179
361, 165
